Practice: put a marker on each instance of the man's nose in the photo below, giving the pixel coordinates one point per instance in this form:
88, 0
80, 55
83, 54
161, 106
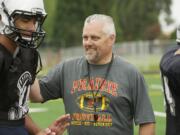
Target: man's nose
32, 25
88, 41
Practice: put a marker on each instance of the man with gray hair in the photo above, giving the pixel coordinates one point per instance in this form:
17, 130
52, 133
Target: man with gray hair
104, 94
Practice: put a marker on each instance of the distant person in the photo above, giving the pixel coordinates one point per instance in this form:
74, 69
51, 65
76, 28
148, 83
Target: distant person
170, 71
104, 94
20, 34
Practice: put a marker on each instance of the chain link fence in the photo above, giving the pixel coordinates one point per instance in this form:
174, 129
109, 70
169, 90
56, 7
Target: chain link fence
145, 55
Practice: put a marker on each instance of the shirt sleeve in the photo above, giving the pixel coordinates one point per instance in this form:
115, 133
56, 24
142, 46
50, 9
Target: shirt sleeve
142, 108
51, 84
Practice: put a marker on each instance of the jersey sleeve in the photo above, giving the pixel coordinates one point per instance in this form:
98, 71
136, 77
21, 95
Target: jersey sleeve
142, 108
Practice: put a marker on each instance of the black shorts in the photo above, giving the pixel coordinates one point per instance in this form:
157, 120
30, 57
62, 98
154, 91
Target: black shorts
13, 130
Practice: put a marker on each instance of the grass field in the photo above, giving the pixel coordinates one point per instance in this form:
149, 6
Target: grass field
55, 108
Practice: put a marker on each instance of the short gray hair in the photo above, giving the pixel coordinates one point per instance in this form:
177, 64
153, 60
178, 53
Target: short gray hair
109, 27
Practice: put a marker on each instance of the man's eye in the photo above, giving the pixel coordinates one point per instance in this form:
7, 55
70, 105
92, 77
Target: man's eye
95, 38
85, 38
25, 19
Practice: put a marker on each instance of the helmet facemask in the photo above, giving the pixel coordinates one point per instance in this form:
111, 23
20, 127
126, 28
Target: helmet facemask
23, 37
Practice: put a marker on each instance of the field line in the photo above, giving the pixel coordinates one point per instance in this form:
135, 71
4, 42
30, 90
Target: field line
32, 110
160, 114
156, 86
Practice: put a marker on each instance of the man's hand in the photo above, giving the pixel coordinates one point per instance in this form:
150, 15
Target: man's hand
60, 125
57, 127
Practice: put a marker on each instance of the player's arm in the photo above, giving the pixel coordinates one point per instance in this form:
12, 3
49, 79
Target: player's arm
35, 95
32, 128
147, 129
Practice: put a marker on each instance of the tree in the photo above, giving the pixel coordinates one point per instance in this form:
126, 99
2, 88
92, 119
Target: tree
139, 17
134, 19
69, 19
50, 7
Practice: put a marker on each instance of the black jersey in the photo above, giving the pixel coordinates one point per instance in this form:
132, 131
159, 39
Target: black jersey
170, 71
17, 73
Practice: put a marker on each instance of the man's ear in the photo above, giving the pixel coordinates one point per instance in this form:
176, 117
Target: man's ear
113, 38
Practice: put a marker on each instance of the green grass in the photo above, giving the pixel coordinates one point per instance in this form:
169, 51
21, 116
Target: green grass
145, 63
56, 108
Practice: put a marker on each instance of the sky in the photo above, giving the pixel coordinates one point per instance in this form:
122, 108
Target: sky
175, 8
175, 14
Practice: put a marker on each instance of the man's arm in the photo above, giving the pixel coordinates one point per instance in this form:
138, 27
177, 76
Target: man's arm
147, 129
35, 95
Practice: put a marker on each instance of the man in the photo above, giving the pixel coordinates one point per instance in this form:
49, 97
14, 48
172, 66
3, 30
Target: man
20, 34
103, 93
170, 73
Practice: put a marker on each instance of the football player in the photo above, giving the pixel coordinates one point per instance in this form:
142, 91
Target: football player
20, 34
170, 73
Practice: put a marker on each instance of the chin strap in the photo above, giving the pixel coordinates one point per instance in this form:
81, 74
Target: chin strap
16, 52
39, 68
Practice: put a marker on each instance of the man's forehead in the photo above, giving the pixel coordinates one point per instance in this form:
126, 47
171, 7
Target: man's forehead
90, 34
93, 26
94, 23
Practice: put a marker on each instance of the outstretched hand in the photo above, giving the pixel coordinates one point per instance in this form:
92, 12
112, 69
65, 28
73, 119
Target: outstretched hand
57, 127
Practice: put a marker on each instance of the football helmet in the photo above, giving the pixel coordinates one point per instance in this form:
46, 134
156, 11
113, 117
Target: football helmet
178, 35
9, 9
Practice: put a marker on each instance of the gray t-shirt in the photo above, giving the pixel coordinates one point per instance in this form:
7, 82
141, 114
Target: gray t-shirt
120, 101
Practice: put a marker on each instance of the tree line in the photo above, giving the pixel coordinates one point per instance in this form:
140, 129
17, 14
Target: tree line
134, 19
